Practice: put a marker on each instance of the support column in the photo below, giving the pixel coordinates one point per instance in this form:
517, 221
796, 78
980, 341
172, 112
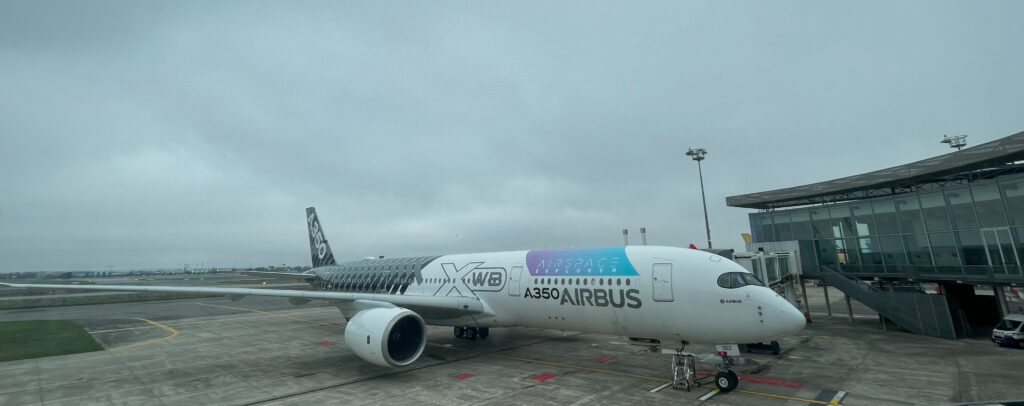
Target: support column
849, 307
789, 288
828, 304
1004, 306
807, 304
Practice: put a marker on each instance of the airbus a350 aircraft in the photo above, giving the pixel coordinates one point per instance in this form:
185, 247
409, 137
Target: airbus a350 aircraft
674, 296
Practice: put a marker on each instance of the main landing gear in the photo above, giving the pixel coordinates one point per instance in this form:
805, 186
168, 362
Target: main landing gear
472, 333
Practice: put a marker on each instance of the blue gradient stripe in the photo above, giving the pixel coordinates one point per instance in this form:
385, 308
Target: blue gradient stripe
603, 261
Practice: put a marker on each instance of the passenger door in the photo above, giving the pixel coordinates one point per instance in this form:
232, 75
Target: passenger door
513, 280
661, 275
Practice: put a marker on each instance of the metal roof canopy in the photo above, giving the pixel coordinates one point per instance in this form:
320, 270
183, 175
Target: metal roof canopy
989, 155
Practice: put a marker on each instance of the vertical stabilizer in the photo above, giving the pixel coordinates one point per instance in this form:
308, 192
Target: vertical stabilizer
317, 241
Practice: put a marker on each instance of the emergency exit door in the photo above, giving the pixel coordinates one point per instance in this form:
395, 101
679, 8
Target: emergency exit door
513, 280
661, 275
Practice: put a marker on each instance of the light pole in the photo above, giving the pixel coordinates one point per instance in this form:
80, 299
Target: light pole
698, 155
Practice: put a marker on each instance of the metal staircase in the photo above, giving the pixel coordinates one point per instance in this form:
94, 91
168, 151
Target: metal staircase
919, 313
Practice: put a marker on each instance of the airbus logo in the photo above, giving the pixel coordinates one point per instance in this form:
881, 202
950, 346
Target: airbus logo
588, 297
724, 301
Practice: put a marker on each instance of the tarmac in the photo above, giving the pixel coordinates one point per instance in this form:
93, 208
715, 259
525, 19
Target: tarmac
213, 351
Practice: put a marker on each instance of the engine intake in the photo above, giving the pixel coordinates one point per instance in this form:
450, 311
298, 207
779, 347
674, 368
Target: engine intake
389, 337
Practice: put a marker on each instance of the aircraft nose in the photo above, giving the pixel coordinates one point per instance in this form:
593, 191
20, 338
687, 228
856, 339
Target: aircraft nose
792, 319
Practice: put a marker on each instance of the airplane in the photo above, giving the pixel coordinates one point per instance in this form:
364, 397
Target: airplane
654, 294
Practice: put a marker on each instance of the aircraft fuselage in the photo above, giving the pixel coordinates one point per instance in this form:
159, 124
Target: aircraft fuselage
658, 292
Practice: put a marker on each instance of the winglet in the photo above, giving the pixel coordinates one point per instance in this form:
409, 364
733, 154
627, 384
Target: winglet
318, 247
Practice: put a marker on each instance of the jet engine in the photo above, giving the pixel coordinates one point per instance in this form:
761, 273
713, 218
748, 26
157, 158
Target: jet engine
389, 337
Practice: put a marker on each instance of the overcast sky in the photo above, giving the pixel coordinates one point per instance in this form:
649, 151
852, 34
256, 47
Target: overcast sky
154, 134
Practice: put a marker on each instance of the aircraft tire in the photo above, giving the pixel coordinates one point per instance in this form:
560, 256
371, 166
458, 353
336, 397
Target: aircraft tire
483, 332
460, 332
471, 333
726, 381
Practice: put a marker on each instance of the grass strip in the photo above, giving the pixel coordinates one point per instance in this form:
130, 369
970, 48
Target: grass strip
43, 338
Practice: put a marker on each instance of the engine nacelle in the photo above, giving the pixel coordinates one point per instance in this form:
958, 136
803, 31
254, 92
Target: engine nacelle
389, 337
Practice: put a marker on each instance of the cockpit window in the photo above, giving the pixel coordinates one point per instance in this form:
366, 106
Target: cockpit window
733, 280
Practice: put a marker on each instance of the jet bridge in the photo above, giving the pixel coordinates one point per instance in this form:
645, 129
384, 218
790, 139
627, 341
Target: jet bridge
772, 268
780, 271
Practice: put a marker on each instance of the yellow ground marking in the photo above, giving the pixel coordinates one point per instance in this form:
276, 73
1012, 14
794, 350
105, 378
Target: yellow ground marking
174, 333
606, 371
321, 323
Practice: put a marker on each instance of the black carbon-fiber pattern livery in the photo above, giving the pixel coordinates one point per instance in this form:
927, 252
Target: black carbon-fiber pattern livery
385, 275
318, 247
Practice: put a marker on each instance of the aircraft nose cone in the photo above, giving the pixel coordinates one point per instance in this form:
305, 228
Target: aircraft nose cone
792, 320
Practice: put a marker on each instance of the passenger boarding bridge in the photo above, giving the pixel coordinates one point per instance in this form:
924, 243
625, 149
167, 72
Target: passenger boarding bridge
956, 220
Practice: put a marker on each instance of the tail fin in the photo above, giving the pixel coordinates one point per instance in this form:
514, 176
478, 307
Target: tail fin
317, 242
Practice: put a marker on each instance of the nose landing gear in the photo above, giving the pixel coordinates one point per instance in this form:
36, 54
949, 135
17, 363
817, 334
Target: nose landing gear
472, 333
685, 375
726, 380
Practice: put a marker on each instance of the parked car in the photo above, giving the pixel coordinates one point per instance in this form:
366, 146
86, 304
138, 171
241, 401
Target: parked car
1008, 332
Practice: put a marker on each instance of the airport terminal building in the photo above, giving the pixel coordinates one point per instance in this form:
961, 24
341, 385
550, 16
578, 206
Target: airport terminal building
955, 219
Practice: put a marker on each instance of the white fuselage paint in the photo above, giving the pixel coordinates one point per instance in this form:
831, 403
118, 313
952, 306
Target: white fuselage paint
690, 305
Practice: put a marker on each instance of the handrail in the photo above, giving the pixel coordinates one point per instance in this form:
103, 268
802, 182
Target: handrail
857, 281
876, 303
890, 304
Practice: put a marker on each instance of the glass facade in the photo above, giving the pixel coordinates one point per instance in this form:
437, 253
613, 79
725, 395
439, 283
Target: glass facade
974, 231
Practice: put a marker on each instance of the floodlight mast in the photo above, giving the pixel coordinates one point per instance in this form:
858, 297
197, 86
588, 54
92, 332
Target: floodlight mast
956, 141
698, 155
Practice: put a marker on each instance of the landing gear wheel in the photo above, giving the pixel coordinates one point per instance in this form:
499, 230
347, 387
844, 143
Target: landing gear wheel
471, 333
460, 332
726, 381
483, 332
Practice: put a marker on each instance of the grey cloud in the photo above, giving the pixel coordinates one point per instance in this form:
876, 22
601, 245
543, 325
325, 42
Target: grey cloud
143, 134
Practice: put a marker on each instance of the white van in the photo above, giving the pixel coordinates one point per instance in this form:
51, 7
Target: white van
1008, 331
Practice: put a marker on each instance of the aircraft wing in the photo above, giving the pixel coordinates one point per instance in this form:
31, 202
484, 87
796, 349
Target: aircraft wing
449, 305
279, 275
